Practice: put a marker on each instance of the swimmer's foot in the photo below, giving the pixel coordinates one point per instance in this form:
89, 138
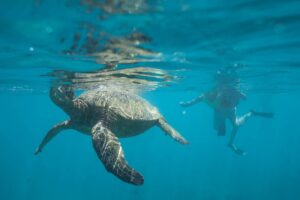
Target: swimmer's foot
237, 150
262, 114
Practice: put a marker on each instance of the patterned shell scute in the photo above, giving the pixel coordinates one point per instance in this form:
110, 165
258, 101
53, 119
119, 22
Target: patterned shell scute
124, 104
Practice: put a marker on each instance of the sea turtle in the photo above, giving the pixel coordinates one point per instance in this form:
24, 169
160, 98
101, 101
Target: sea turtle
108, 113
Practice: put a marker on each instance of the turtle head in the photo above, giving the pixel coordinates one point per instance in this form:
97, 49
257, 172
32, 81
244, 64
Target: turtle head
63, 96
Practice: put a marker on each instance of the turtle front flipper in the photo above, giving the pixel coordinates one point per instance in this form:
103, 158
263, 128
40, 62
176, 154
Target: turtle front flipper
52, 133
109, 151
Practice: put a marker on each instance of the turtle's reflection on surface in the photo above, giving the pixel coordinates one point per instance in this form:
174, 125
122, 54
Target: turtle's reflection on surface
111, 51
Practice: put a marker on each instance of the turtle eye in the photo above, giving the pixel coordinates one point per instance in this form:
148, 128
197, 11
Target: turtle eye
70, 94
66, 91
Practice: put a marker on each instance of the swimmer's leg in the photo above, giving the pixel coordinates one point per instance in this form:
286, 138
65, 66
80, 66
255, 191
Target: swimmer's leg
219, 123
236, 123
232, 145
240, 121
222, 128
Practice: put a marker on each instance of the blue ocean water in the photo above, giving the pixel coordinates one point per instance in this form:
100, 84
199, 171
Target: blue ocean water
43, 42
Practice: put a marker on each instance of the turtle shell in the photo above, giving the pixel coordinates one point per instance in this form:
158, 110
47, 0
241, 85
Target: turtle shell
124, 104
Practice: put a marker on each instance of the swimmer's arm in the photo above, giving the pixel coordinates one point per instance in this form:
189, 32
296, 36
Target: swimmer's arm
192, 102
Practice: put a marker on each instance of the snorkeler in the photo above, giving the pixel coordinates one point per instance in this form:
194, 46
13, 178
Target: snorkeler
224, 98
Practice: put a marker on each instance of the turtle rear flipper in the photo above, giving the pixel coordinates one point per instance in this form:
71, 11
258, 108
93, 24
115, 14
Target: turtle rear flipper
169, 130
109, 151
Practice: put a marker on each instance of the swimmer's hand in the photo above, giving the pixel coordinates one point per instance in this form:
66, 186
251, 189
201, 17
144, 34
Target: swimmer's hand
237, 150
183, 104
38, 150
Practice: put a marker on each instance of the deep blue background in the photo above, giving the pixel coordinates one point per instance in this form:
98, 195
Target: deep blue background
200, 36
